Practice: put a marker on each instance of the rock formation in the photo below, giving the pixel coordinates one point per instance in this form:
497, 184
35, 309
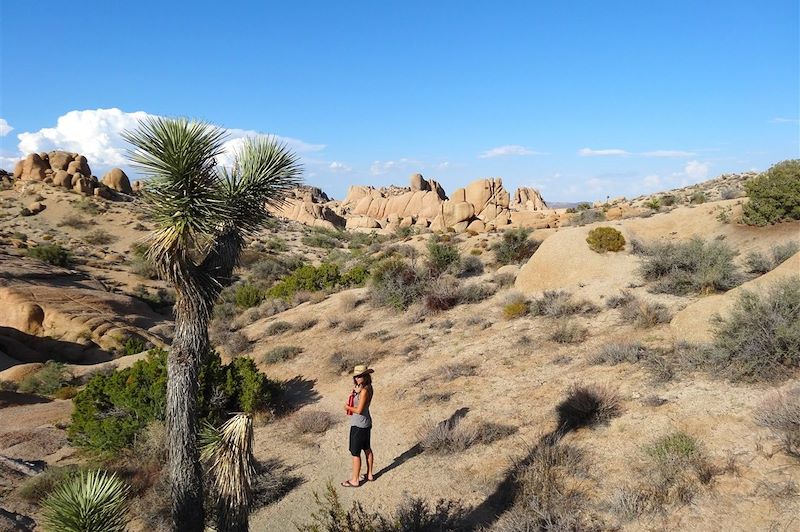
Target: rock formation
72, 171
482, 205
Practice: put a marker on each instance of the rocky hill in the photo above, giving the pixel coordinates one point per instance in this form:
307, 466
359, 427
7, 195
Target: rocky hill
540, 355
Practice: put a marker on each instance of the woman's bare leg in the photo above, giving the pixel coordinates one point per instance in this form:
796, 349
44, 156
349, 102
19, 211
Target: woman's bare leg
355, 478
370, 459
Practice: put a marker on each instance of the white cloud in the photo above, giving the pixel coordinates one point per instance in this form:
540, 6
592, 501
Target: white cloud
96, 133
696, 170
504, 151
667, 153
336, 166
652, 180
5, 128
443, 166
588, 152
781, 120
384, 167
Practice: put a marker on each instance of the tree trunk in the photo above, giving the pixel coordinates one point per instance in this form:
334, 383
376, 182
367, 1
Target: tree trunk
183, 367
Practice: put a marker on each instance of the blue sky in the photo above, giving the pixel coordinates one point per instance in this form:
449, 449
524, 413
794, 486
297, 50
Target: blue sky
579, 99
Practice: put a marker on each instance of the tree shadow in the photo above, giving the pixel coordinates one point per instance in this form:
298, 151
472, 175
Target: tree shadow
24, 348
274, 480
298, 392
417, 449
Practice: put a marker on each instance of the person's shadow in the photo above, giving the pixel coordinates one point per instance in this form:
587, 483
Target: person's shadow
416, 449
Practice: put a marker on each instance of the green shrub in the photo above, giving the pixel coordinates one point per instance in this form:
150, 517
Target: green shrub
140, 263
602, 239
694, 266
112, 409
45, 381
515, 247
774, 195
395, 283
307, 278
133, 345
760, 339
757, 262
441, 255
322, 238
653, 203
249, 295
516, 306
90, 501
50, 253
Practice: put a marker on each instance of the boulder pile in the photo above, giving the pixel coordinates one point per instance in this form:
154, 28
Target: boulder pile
482, 205
71, 171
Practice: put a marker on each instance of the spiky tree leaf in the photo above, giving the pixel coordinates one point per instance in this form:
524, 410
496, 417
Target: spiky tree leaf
94, 501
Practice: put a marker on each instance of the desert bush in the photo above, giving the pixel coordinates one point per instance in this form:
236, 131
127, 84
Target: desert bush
282, 353
653, 203
94, 500
278, 327
99, 237
303, 324
616, 353
442, 255
587, 406
444, 294
312, 421
559, 303
344, 360
476, 292
51, 254
602, 239
395, 284
728, 193
780, 412
668, 200
452, 436
411, 515
515, 247
309, 278
774, 195
694, 266
133, 345
35, 489
318, 237
645, 314
698, 197
545, 495
675, 467
760, 338
470, 266
567, 331
620, 300
352, 323
45, 381
249, 295
504, 280
588, 216
758, 262
114, 408
74, 221
515, 305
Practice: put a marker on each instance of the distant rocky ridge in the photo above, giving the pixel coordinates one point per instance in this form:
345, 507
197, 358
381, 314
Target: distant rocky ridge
71, 170
482, 205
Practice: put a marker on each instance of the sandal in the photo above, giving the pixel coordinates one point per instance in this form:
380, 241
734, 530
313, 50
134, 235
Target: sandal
348, 484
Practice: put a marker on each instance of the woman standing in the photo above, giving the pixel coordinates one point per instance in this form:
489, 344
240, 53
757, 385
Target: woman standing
360, 424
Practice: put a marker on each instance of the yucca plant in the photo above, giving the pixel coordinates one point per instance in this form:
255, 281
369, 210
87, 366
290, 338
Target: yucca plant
203, 213
93, 501
228, 453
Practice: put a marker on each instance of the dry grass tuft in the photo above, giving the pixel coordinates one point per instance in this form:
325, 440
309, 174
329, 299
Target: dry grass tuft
587, 406
312, 421
780, 412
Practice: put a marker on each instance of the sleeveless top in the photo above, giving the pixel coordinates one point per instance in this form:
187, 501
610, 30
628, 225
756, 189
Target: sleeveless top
362, 420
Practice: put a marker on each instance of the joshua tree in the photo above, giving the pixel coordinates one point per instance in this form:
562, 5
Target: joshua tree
228, 452
203, 215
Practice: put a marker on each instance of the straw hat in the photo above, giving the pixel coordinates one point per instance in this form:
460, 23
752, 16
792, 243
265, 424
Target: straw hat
361, 369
